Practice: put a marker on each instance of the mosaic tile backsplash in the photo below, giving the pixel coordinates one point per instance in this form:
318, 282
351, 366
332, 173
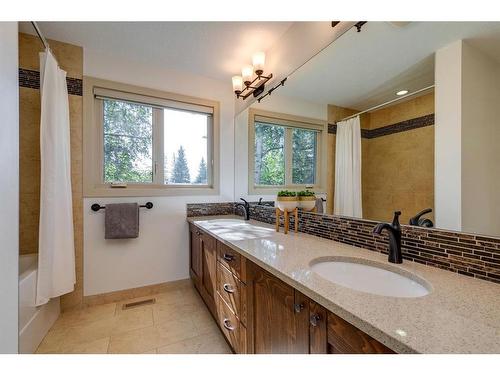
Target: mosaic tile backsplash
467, 254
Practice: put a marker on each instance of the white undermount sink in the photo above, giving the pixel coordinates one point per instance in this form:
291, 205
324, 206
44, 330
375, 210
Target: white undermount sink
371, 277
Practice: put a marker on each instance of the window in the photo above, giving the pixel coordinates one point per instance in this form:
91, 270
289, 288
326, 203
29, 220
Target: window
147, 143
128, 142
285, 152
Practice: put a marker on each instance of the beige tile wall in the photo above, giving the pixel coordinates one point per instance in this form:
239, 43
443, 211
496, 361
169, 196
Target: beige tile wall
397, 169
70, 58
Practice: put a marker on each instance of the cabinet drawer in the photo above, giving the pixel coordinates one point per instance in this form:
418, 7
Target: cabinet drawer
344, 338
229, 258
230, 325
229, 288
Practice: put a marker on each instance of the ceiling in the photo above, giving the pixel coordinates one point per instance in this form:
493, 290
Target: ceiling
361, 70
212, 49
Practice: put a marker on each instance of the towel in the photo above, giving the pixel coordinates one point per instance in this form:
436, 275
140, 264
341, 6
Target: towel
121, 221
319, 205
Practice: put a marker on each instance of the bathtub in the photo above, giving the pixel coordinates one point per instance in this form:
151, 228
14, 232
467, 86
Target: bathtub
34, 322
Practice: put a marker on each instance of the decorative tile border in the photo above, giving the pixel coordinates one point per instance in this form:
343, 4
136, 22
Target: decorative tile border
415, 123
31, 79
210, 209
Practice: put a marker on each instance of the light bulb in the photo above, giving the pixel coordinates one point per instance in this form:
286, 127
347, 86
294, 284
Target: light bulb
237, 84
247, 73
258, 60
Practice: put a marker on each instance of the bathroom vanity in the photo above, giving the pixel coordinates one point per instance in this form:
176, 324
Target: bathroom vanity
261, 287
259, 313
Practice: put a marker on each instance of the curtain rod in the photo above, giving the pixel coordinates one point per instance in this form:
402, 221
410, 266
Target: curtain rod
42, 38
386, 103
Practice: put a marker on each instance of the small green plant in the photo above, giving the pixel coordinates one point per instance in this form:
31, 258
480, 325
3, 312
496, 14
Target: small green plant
287, 193
305, 193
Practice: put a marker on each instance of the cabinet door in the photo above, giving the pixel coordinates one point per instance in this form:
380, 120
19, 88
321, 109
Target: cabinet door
279, 318
195, 256
209, 270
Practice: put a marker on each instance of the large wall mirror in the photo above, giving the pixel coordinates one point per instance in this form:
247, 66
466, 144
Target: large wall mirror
399, 116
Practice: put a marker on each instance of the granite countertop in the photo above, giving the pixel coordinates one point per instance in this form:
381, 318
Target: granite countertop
459, 315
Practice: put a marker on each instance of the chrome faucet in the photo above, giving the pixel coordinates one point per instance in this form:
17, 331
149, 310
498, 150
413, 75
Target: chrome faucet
394, 230
246, 208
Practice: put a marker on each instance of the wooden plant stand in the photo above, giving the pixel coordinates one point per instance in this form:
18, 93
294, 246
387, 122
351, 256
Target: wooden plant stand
295, 212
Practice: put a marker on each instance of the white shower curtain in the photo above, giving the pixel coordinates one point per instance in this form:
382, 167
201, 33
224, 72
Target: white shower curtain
347, 199
56, 249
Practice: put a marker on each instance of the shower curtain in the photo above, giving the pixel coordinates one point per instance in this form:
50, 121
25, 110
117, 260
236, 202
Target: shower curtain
347, 198
56, 251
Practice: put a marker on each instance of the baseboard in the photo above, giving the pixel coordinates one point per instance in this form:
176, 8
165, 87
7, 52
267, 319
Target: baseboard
120, 295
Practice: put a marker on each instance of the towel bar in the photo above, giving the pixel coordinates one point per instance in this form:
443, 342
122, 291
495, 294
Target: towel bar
96, 206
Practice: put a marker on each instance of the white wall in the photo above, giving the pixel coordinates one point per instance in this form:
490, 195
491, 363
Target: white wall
160, 254
448, 137
275, 103
480, 142
467, 135
9, 188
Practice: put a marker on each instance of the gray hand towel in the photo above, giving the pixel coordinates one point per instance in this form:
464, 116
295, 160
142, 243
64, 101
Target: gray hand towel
121, 220
319, 205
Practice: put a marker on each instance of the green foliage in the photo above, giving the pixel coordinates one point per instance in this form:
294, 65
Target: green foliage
180, 172
286, 193
202, 173
269, 154
128, 138
305, 193
304, 156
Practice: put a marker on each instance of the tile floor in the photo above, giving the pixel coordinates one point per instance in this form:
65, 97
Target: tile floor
178, 323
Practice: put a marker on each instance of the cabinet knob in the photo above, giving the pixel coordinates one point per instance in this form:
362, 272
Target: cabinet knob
227, 325
315, 319
228, 288
298, 307
228, 257
198, 232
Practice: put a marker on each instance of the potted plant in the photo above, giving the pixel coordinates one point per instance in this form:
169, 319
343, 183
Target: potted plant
307, 200
286, 200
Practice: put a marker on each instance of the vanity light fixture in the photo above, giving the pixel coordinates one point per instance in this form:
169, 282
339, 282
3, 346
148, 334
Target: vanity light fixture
402, 92
252, 79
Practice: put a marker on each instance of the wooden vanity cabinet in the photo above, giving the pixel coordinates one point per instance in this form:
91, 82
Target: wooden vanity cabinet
278, 315
344, 338
203, 266
259, 313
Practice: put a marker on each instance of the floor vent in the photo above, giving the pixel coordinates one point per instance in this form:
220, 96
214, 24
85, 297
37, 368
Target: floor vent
144, 302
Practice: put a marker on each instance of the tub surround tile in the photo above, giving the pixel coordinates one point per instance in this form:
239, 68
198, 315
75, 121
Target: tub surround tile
459, 315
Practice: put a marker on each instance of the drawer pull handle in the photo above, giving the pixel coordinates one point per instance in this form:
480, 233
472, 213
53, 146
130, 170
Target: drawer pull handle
227, 288
315, 319
227, 325
228, 257
298, 307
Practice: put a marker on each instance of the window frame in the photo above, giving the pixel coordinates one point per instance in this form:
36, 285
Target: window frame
290, 122
93, 139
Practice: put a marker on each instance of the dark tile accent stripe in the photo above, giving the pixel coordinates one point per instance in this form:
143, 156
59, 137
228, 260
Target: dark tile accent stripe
31, 79
210, 209
467, 254
415, 123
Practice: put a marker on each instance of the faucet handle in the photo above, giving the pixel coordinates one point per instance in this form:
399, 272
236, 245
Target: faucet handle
395, 220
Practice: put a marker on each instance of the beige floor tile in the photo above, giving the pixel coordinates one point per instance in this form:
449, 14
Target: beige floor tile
169, 297
176, 330
203, 344
52, 342
136, 341
131, 319
99, 346
91, 331
87, 315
